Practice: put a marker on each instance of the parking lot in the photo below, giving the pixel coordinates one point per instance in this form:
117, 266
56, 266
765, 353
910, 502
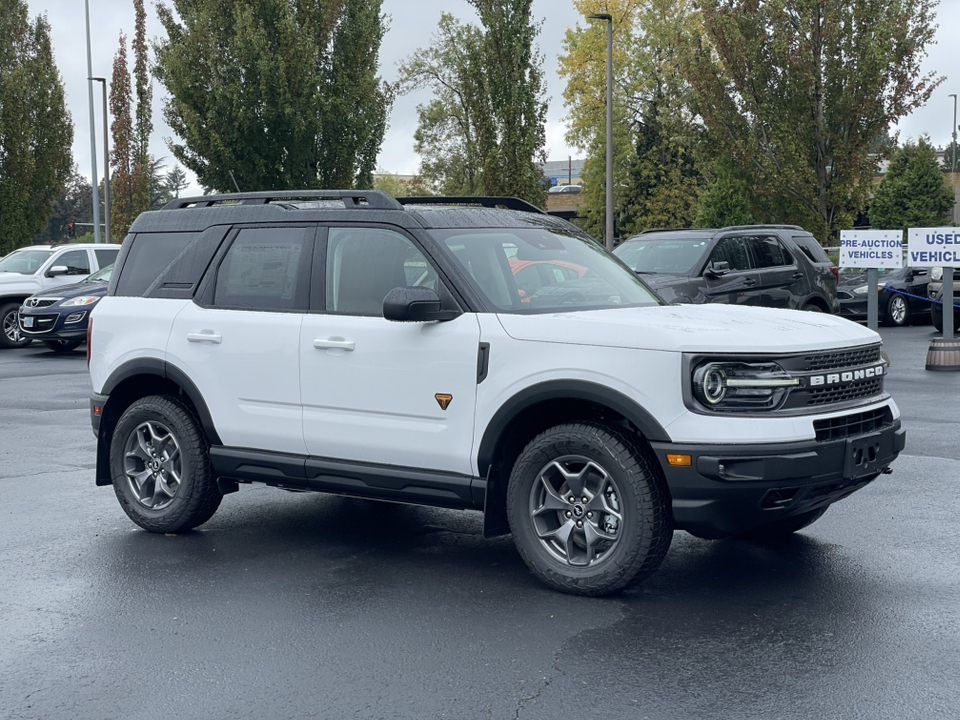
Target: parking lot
304, 605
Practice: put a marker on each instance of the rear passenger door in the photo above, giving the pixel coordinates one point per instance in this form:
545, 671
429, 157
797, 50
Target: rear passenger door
382, 392
239, 339
781, 283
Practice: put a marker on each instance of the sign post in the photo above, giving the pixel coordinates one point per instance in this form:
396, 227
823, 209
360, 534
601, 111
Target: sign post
939, 247
871, 249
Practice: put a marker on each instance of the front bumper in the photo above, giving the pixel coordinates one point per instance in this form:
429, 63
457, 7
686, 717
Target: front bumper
47, 325
731, 489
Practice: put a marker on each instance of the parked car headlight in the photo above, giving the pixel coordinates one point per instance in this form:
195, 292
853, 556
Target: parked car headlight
936, 274
862, 290
742, 386
82, 300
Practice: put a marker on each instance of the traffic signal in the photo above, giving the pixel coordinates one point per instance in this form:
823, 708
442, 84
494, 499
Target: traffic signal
71, 230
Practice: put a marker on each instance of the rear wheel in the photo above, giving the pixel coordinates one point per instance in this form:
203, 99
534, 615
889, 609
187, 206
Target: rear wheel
60, 346
812, 307
589, 509
11, 336
160, 464
896, 312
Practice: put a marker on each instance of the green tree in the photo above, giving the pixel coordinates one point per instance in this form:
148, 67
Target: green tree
656, 172
798, 92
726, 199
393, 185
75, 204
36, 132
951, 163
483, 132
123, 153
914, 192
175, 182
143, 124
283, 94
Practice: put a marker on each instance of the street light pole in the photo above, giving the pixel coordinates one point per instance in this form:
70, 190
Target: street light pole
106, 164
93, 137
954, 131
608, 239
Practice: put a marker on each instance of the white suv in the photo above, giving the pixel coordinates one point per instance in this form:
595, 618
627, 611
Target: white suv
36, 269
485, 357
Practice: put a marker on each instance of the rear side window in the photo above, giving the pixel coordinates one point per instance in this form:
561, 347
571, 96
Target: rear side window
261, 270
149, 256
811, 248
768, 252
106, 256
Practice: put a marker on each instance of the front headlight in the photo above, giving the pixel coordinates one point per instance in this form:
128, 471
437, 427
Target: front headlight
862, 290
936, 274
742, 386
82, 300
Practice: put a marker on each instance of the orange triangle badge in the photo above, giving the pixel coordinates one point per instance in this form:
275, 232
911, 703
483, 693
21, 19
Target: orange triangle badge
444, 400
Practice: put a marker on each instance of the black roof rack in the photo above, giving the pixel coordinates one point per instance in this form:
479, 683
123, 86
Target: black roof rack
653, 230
360, 199
508, 203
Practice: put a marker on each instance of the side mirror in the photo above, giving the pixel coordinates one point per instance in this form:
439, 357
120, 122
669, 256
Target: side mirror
415, 304
717, 268
58, 270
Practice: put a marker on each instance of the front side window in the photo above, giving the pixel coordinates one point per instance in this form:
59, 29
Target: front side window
534, 270
364, 264
260, 270
76, 261
732, 250
24, 262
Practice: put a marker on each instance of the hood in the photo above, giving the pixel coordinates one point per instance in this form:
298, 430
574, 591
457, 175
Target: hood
76, 289
693, 328
656, 280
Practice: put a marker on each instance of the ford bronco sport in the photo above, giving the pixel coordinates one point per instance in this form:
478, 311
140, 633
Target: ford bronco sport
347, 342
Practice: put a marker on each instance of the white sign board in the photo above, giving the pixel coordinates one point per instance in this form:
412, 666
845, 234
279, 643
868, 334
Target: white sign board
871, 248
933, 247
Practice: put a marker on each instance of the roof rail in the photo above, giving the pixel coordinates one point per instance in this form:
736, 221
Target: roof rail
653, 230
359, 199
760, 226
509, 203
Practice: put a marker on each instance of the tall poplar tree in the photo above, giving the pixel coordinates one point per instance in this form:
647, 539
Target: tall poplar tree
143, 124
36, 132
124, 209
798, 92
285, 95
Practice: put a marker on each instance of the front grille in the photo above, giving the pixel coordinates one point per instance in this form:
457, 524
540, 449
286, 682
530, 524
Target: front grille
852, 391
40, 302
41, 324
839, 428
844, 359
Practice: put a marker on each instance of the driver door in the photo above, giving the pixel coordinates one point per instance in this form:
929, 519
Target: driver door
738, 285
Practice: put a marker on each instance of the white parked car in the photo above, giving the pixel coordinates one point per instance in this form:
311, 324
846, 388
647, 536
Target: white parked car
348, 343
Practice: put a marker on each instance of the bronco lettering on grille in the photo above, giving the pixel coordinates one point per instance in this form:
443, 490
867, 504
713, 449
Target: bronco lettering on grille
847, 376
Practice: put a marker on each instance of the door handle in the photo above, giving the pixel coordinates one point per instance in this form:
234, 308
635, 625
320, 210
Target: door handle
797, 275
749, 281
205, 336
334, 342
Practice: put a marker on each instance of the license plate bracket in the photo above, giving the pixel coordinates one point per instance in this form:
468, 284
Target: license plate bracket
864, 456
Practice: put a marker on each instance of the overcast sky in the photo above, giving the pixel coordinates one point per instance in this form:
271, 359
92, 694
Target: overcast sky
411, 25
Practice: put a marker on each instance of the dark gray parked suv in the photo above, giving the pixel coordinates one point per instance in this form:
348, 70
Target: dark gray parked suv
767, 265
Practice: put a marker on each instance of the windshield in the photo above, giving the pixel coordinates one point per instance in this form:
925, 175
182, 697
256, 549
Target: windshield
533, 270
25, 262
101, 275
667, 256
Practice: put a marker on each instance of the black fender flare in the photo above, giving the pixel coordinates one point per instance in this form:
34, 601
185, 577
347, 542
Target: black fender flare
561, 390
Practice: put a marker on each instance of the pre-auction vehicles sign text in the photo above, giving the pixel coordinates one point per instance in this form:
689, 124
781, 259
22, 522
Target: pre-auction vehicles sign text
933, 247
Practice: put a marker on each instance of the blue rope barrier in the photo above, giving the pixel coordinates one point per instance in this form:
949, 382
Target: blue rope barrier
918, 297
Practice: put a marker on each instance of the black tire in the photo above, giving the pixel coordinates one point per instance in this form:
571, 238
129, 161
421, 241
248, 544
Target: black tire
812, 307
787, 526
61, 346
936, 315
897, 311
10, 334
618, 476
144, 450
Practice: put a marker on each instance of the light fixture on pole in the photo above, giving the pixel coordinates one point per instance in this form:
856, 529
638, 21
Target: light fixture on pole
608, 233
93, 137
106, 164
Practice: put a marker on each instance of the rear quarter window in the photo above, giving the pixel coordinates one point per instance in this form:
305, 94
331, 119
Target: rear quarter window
811, 248
148, 256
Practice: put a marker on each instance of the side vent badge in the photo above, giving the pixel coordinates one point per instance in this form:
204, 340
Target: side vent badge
444, 400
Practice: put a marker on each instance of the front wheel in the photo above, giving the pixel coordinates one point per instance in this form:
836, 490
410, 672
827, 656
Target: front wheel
589, 509
896, 314
11, 336
160, 464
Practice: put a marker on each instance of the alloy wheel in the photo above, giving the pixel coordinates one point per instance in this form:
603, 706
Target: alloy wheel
575, 510
11, 327
153, 464
898, 310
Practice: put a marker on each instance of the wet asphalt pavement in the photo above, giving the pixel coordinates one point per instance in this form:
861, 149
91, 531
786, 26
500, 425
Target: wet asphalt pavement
312, 606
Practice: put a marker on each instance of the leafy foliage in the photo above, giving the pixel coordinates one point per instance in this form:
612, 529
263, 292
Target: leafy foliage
284, 94
726, 199
394, 185
36, 132
75, 204
483, 133
798, 93
123, 150
913, 192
